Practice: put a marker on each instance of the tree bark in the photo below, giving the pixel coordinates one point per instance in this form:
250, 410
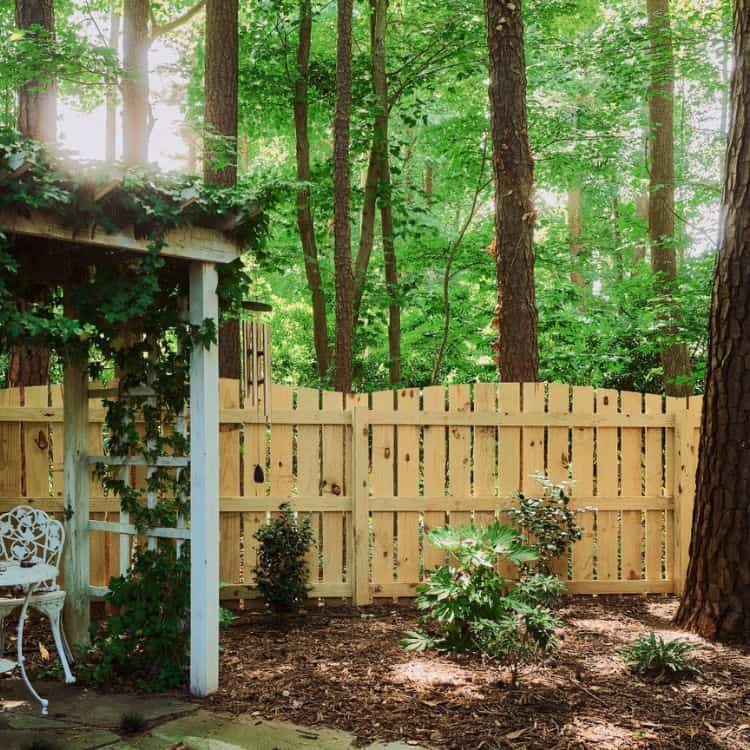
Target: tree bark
37, 99
135, 104
366, 230
341, 224
516, 346
305, 222
110, 138
379, 26
661, 229
37, 120
220, 137
221, 72
716, 602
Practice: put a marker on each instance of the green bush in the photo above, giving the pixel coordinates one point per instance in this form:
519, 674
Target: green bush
652, 656
469, 587
539, 589
282, 571
523, 635
147, 639
548, 520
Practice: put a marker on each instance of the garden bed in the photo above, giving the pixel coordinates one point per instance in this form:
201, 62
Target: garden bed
335, 668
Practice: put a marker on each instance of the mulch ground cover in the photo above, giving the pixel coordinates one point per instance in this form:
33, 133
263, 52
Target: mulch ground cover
336, 668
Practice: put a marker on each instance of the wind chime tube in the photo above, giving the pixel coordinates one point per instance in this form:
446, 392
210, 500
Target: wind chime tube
266, 372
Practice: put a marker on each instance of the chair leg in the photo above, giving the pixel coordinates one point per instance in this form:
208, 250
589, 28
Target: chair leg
66, 645
54, 612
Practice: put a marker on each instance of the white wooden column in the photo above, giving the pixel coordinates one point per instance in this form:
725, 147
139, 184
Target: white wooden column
76, 517
204, 485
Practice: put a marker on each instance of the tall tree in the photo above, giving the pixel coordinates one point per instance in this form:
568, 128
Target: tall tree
342, 240
305, 222
136, 112
661, 218
716, 602
516, 346
110, 136
37, 119
220, 136
381, 147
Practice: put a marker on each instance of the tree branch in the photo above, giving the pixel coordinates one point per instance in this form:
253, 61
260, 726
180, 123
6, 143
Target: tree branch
166, 28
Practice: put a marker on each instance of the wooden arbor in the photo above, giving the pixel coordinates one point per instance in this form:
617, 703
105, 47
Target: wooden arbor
201, 249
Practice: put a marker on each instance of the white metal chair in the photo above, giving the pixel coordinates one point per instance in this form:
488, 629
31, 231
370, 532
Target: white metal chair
30, 534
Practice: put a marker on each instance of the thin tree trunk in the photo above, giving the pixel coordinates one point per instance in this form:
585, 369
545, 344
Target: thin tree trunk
674, 355
305, 222
37, 120
135, 104
516, 347
221, 72
366, 230
344, 350
220, 137
428, 183
575, 234
110, 137
380, 142
716, 602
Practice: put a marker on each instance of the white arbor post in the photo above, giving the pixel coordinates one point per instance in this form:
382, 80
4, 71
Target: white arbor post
76, 515
204, 488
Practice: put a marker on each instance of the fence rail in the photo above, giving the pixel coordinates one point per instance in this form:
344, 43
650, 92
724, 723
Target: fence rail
375, 472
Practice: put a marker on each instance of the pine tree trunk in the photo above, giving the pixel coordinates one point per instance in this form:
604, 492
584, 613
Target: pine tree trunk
516, 347
221, 72
305, 222
135, 104
110, 136
341, 228
661, 229
37, 100
379, 27
716, 602
37, 119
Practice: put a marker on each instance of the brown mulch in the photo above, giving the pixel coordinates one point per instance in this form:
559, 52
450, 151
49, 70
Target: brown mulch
336, 668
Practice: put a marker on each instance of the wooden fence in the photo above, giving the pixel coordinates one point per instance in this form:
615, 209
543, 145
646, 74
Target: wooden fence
376, 471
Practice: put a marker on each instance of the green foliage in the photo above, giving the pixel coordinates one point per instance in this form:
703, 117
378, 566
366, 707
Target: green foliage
548, 520
651, 655
469, 588
147, 641
522, 635
226, 617
539, 590
282, 572
132, 722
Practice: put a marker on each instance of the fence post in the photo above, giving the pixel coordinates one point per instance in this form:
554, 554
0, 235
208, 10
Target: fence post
683, 466
361, 593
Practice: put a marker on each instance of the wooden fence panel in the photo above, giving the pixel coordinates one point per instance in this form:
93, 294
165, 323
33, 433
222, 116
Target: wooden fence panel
485, 442
333, 484
631, 486
583, 486
459, 452
509, 456
230, 484
407, 485
382, 486
308, 472
433, 471
606, 486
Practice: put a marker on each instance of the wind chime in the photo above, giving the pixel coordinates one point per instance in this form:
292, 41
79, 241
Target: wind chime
256, 342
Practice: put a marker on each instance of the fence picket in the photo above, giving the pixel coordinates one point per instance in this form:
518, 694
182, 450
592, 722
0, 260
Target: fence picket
558, 458
382, 486
509, 457
407, 485
655, 519
230, 563
332, 487
433, 471
485, 440
308, 472
631, 543
459, 452
583, 484
606, 486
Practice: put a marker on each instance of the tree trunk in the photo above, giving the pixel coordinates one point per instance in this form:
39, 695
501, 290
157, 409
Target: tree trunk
305, 222
37, 119
37, 100
135, 104
516, 346
380, 144
716, 602
366, 230
110, 138
674, 355
341, 227
575, 233
220, 137
221, 71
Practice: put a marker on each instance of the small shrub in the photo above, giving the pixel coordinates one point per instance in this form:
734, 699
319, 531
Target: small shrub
548, 520
652, 656
132, 722
539, 589
524, 635
147, 640
282, 572
226, 617
469, 588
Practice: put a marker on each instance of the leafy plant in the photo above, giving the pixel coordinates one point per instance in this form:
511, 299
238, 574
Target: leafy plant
539, 589
226, 617
523, 635
132, 722
282, 572
469, 587
651, 655
147, 640
547, 520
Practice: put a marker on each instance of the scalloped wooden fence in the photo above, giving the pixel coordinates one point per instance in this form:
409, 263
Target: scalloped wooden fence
376, 471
